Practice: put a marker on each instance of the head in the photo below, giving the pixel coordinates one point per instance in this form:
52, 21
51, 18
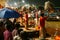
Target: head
41, 9
42, 14
17, 25
26, 12
21, 11
8, 27
1, 23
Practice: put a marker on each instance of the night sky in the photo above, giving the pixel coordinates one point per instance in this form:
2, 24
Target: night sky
41, 2
55, 2
38, 2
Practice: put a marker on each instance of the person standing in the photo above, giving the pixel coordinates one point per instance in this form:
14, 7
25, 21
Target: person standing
14, 32
36, 18
7, 33
42, 19
26, 20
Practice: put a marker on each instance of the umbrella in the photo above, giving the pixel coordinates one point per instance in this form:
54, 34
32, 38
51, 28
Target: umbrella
9, 13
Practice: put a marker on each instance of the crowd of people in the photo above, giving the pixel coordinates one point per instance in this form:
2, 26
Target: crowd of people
29, 17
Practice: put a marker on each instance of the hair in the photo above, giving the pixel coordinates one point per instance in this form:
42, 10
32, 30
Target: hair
1, 23
42, 14
20, 31
8, 27
17, 25
26, 12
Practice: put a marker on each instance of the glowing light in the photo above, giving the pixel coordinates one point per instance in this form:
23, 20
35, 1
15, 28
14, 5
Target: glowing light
15, 3
57, 17
23, 1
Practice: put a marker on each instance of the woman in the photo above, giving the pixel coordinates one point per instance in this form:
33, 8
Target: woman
7, 33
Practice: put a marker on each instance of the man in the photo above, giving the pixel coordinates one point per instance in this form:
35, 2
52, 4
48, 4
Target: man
42, 19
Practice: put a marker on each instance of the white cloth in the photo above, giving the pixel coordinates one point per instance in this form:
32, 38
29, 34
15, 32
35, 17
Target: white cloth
35, 21
29, 15
16, 37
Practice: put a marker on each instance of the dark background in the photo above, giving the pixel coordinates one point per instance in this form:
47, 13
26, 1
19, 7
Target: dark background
56, 3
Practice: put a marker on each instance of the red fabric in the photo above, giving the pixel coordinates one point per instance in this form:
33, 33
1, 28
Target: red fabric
26, 17
7, 35
57, 38
42, 21
36, 15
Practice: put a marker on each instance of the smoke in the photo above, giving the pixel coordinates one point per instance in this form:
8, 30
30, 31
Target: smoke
48, 5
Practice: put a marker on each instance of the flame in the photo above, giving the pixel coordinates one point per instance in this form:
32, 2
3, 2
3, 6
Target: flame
57, 38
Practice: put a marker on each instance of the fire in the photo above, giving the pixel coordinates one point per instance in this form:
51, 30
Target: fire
57, 38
